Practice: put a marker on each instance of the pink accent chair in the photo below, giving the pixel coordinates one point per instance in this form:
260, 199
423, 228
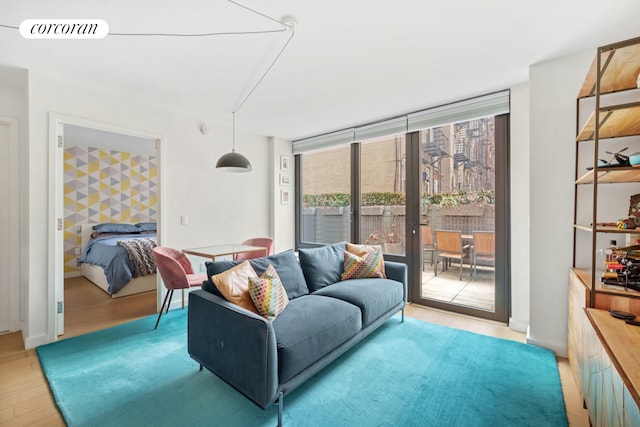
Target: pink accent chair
264, 242
176, 272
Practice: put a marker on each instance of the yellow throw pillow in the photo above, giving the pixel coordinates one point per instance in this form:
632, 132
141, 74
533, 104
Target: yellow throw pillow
234, 285
362, 250
268, 294
368, 266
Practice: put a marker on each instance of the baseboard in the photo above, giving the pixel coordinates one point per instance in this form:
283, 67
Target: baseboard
72, 274
516, 325
31, 342
559, 350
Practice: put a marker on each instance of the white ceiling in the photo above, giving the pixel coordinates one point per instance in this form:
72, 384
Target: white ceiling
350, 62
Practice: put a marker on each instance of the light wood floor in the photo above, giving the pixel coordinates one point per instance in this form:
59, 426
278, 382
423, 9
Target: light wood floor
25, 399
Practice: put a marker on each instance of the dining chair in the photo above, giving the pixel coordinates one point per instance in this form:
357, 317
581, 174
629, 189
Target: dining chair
449, 246
484, 248
428, 247
264, 242
176, 272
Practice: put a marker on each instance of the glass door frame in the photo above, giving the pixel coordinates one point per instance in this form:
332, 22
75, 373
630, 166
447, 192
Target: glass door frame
502, 227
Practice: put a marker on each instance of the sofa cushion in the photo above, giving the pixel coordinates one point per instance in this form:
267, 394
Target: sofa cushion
322, 266
234, 285
268, 294
366, 266
285, 264
374, 297
309, 328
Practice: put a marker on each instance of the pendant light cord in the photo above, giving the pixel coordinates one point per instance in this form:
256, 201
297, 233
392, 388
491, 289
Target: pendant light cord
266, 71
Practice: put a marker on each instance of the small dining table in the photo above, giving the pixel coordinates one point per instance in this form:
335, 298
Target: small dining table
215, 251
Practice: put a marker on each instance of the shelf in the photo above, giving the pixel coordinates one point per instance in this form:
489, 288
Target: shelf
613, 123
607, 229
612, 175
620, 74
585, 277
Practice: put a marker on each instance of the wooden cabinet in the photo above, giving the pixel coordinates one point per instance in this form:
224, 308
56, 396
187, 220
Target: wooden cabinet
605, 360
608, 121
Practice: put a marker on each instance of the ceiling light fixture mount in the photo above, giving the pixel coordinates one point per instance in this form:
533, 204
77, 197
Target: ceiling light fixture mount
233, 161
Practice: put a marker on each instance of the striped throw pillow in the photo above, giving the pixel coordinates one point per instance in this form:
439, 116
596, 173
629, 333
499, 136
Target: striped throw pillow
367, 266
268, 294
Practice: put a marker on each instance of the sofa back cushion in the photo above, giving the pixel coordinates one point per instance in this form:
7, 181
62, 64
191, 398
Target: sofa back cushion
285, 264
322, 266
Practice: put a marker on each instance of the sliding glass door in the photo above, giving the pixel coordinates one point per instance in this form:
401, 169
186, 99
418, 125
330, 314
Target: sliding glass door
430, 188
461, 180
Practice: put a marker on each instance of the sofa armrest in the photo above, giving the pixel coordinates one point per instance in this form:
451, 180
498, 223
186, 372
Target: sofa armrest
397, 271
235, 344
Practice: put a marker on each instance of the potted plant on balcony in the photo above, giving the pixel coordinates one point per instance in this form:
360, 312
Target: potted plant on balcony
390, 241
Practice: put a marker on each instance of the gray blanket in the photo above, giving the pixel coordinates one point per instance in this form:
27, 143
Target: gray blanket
140, 252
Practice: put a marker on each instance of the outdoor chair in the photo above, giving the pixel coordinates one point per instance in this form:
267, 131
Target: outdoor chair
484, 248
428, 248
449, 247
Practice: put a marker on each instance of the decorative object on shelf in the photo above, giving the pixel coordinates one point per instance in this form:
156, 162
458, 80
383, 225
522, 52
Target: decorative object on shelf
236, 162
617, 160
634, 159
627, 223
634, 207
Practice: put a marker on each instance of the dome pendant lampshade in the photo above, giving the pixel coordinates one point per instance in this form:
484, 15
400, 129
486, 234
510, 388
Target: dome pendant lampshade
233, 162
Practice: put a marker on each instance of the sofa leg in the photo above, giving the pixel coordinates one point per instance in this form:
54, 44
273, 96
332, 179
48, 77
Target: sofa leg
402, 315
280, 408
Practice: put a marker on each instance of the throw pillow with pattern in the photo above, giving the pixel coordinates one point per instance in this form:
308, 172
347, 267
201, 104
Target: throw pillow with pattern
268, 294
367, 266
362, 250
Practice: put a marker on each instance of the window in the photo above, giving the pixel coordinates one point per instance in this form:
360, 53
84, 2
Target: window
325, 186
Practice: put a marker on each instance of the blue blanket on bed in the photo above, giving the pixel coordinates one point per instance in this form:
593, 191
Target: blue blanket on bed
113, 258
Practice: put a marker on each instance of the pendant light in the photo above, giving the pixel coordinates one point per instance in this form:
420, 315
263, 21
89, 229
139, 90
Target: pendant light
236, 162
233, 162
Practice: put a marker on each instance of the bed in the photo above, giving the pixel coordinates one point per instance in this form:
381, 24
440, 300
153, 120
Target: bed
107, 265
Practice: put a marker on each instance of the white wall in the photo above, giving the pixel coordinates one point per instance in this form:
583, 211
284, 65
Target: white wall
222, 208
283, 219
13, 104
520, 239
553, 87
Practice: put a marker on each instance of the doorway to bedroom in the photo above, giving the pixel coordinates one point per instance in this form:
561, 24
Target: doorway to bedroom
106, 175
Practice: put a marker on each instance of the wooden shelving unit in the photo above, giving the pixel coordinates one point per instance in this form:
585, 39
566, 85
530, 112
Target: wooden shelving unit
604, 352
615, 69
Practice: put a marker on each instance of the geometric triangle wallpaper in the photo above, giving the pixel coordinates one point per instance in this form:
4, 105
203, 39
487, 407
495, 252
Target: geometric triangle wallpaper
105, 186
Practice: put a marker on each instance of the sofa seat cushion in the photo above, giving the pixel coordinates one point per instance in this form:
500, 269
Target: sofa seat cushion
309, 328
374, 297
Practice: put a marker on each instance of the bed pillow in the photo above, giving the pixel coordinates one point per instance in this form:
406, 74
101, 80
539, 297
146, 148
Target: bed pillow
268, 294
109, 227
147, 226
233, 284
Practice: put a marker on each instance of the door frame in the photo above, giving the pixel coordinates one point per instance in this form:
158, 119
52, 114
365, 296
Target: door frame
502, 285
13, 238
55, 320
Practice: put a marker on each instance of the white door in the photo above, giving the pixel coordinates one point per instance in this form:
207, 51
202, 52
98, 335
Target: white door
4, 227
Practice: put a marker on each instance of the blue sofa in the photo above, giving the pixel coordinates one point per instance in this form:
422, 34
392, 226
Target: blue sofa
324, 318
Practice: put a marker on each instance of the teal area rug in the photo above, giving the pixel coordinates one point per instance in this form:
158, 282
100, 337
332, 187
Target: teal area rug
404, 374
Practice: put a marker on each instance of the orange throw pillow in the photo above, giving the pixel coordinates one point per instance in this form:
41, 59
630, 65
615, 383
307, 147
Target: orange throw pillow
234, 285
